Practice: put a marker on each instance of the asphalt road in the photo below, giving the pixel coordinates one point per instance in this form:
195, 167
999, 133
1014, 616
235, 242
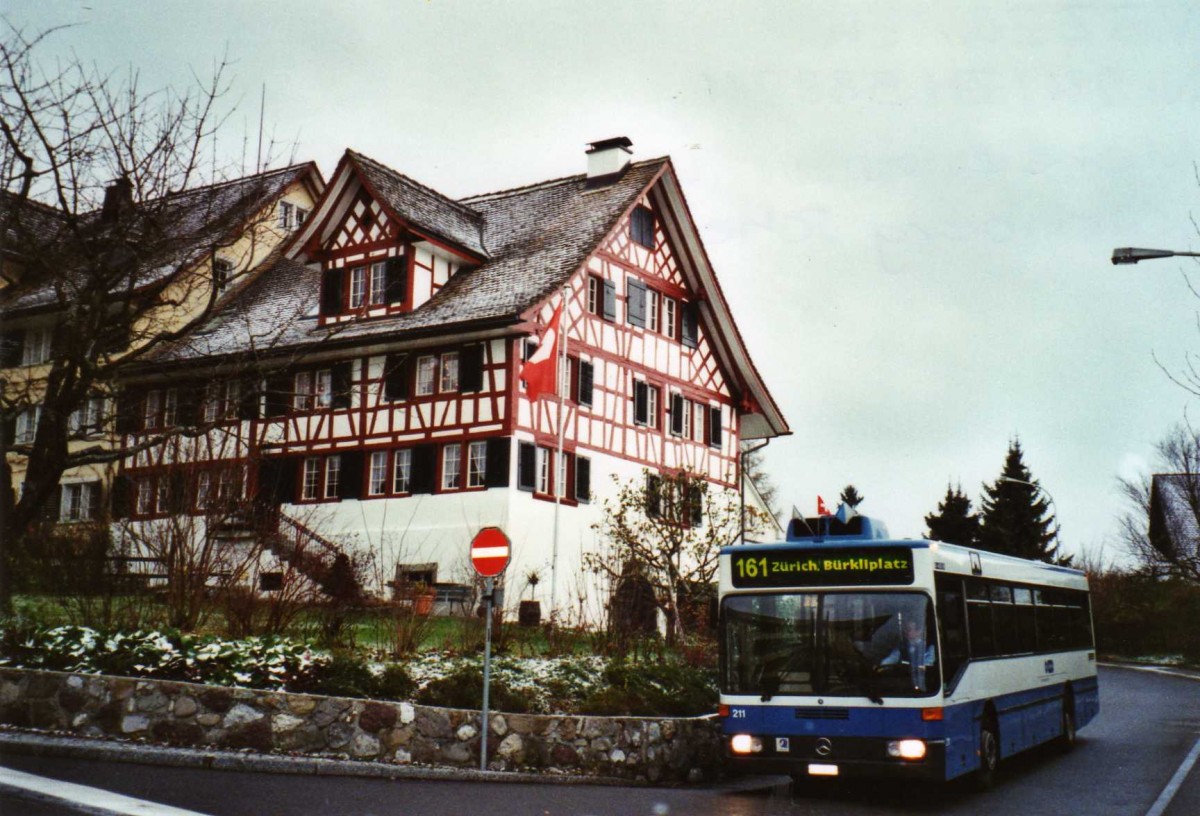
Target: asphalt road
1148, 726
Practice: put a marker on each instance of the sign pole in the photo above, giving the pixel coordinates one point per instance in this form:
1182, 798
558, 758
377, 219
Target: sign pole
487, 669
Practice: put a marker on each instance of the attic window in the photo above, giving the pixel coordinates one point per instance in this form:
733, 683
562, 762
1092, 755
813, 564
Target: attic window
641, 227
221, 273
291, 216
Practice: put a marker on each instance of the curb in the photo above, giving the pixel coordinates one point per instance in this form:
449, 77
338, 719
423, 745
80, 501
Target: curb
26, 743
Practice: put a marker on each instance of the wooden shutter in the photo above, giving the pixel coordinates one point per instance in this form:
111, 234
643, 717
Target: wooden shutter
689, 333
610, 300
11, 345
350, 480
470, 368
586, 382
498, 452
51, 507
277, 479
642, 227
176, 492
583, 479
678, 406
129, 404
121, 496
641, 402
331, 292
279, 394
396, 273
527, 466
424, 468
396, 377
714, 426
248, 400
635, 302
341, 374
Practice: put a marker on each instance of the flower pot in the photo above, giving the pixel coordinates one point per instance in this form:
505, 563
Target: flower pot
529, 613
423, 603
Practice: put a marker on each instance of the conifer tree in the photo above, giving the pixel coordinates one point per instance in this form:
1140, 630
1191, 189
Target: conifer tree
1015, 517
954, 522
851, 497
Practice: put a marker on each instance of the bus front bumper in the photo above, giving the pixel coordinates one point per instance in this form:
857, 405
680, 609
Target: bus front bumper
839, 758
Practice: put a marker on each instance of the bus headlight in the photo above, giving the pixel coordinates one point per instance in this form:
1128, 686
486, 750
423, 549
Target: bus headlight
745, 744
907, 749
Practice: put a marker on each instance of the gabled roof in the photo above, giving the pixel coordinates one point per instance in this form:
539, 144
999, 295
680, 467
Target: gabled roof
530, 240
185, 227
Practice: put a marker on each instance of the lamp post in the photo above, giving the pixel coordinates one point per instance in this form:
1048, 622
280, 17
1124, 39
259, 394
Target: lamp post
1131, 255
1038, 487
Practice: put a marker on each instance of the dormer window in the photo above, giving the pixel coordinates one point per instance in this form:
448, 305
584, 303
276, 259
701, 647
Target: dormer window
222, 272
382, 283
291, 216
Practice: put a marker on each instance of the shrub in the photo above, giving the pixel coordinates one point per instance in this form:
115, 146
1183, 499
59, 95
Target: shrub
463, 688
653, 689
340, 677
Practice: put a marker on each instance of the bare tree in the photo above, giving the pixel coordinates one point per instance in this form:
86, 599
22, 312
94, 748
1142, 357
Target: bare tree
1162, 526
109, 250
667, 531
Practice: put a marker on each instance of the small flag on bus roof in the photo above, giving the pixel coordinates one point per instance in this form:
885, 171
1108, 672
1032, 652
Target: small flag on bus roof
822, 510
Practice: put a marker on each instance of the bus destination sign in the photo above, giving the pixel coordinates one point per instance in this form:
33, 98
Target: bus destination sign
793, 567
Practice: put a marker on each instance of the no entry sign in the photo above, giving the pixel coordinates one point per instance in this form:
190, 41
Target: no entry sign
490, 551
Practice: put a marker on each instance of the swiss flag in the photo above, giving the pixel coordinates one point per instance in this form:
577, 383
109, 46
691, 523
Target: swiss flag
821, 509
540, 371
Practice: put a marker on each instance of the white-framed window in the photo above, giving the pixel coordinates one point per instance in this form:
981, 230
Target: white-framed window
324, 388
226, 486
145, 496
333, 476
358, 286
170, 414
402, 471
452, 466
448, 376
668, 316
88, 418
27, 424
151, 409
426, 372
212, 401
377, 485
653, 408
595, 295
232, 399
477, 464
302, 391
562, 475
162, 496
291, 216
378, 283
203, 490
544, 457
312, 478
79, 501
39, 344
687, 418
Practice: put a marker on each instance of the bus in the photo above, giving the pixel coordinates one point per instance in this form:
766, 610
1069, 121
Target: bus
851, 654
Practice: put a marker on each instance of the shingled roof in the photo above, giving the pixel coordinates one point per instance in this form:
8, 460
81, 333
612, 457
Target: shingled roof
1175, 508
181, 229
536, 237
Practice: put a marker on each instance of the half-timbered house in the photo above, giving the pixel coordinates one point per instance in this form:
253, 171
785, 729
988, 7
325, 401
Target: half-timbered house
385, 411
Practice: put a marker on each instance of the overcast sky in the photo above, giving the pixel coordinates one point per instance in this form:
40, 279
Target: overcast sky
910, 206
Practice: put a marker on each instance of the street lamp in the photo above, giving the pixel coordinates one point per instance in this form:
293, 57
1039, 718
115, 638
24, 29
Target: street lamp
1038, 486
1131, 255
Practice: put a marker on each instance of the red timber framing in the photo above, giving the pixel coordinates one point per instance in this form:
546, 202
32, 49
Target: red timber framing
641, 335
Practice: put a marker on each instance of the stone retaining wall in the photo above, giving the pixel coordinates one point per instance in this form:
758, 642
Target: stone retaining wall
192, 715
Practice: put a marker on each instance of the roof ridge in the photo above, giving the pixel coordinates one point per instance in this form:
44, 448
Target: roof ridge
216, 185
538, 185
467, 210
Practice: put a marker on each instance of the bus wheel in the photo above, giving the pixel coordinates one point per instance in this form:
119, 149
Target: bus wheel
1066, 740
989, 755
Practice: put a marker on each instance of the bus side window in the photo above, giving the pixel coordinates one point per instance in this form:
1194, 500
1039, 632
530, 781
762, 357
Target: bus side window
954, 626
979, 620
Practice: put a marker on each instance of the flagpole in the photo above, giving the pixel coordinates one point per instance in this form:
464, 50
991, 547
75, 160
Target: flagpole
558, 461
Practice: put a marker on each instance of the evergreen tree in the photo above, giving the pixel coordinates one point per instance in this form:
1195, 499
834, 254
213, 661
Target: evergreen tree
851, 497
1015, 517
954, 522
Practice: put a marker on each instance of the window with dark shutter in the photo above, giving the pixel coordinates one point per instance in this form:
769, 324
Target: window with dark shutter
397, 279
498, 448
610, 300
678, 407
641, 402
424, 468
177, 493
527, 466
395, 377
583, 479
586, 382
714, 426
122, 496
248, 401
350, 481
279, 394
129, 403
331, 292
641, 226
11, 345
635, 302
277, 480
653, 495
341, 376
689, 333
470, 368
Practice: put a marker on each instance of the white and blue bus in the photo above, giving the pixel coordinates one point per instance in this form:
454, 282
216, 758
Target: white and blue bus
851, 653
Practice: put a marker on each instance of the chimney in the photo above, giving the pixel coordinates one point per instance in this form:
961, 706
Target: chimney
118, 199
608, 159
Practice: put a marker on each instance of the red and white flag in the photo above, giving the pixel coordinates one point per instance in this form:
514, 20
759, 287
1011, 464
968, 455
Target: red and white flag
540, 371
821, 509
